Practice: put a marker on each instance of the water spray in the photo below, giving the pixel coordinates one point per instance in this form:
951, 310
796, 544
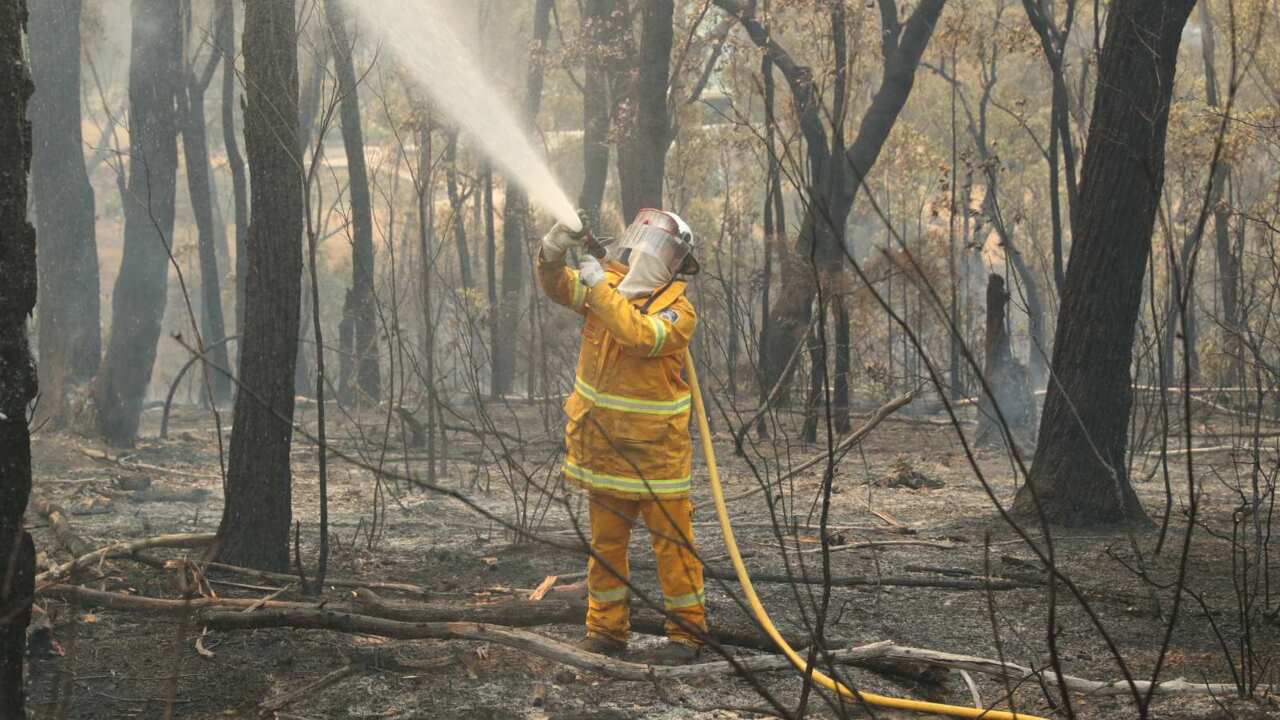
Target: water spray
426, 40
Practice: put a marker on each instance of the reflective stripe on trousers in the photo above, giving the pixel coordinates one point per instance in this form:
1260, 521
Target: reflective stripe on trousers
670, 524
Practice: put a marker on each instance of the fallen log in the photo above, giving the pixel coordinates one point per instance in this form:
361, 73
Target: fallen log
532, 643
558, 611
61, 526
180, 540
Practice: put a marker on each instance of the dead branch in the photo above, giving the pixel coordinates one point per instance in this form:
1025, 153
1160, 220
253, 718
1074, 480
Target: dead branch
271, 705
1016, 672
991, 583
524, 640
331, 582
180, 540
141, 603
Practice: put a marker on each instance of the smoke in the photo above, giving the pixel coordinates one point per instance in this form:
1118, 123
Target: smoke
425, 38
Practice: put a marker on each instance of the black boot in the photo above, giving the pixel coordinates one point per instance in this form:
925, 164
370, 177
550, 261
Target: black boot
602, 645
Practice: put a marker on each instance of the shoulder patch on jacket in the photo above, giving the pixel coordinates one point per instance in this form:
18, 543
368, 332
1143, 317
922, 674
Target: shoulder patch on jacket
669, 315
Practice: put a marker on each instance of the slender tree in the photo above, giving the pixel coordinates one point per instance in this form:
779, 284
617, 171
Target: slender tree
255, 522
69, 331
195, 150
603, 40
1080, 474
226, 39
17, 372
138, 302
359, 313
645, 120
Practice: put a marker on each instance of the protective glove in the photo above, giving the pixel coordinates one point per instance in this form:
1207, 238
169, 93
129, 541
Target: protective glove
589, 271
557, 242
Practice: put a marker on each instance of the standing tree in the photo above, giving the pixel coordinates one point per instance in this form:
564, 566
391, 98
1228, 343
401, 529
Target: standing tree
69, 332
513, 219
226, 39
195, 150
359, 314
644, 119
255, 520
17, 372
1080, 475
138, 302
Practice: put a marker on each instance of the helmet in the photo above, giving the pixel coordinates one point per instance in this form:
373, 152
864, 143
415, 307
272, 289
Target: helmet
663, 236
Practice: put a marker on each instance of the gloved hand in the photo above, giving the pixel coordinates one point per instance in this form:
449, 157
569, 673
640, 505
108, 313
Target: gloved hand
557, 242
589, 271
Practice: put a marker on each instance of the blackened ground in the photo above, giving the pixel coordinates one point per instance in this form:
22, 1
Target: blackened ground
122, 665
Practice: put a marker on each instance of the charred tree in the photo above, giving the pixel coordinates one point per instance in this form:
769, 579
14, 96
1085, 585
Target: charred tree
226, 40
17, 371
255, 522
68, 327
359, 312
1007, 403
645, 120
1080, 474
603, 36
138, 301
195, 150
514, 214
456, 216
834, 178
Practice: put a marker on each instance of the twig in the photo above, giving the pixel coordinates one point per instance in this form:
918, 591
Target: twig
181, 540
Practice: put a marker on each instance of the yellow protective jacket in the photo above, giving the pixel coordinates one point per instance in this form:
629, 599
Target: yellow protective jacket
628, 429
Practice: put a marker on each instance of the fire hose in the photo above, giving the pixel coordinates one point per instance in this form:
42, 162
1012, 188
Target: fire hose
762, 616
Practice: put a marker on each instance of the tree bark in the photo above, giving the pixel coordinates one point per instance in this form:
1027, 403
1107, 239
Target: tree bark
255, 522
195, 149
138, 302
646, 123
359, 309
226, 40
17, 371
68, 322
513, 221
1080, 476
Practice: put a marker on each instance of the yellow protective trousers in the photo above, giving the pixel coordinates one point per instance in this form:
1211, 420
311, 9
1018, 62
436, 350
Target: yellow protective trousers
670, 523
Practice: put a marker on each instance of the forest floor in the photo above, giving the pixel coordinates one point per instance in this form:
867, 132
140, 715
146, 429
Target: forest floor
120, 664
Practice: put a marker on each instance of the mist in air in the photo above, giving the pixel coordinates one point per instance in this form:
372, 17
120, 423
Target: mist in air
425, 40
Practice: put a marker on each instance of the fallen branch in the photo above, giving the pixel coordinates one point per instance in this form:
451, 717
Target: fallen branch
330, 582
142, 603
61, 526
272, 705
1016, 672
550, 611
181, 540
524, 640
991, 583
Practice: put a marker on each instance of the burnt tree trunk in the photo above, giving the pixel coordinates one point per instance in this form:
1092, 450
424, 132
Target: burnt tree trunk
226, 39
138, 302
359, 310
255, 522
645, 123
601, 30
195, 149
514, 214
69, 333
1007, 396
1080, 475
17, 371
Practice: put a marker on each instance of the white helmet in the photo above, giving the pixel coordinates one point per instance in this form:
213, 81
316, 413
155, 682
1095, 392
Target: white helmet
663, 236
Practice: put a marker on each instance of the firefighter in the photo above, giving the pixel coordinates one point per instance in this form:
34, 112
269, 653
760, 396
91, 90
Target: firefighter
627, 438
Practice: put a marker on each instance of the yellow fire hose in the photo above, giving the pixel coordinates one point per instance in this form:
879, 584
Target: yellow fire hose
762, 616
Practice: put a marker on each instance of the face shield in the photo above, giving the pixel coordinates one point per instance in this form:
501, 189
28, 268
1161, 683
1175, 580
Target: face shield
663, 239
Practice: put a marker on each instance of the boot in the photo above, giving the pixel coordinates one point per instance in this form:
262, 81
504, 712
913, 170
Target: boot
674, 653
602, 645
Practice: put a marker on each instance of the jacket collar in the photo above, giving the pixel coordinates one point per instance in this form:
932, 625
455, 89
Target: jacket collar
667, 295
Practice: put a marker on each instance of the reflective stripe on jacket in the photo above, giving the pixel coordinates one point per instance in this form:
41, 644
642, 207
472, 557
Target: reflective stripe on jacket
628, 429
